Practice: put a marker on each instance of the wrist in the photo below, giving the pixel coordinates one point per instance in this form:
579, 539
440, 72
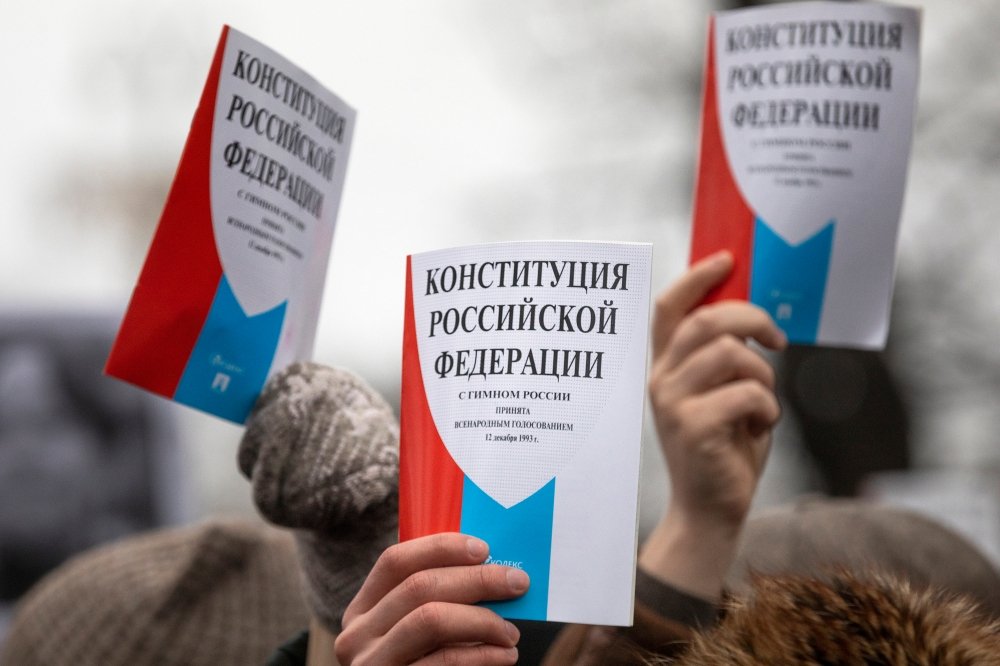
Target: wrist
673, 604
691, 553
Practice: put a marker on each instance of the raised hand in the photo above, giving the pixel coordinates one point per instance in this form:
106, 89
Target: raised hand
714, 404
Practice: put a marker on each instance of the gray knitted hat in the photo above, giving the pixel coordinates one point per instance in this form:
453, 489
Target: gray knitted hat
219, 593
321, 449
819, 537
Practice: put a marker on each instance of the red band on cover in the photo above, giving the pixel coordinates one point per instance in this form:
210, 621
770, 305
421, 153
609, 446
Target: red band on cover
430, 482
182, 271
722, 218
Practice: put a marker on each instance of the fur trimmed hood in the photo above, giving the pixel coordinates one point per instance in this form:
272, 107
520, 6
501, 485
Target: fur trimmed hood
846, 620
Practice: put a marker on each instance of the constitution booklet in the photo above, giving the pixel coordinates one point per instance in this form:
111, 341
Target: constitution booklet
232, 283
523, 388
806, 125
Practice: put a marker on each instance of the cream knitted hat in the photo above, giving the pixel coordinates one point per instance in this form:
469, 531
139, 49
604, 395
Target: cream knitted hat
321, 449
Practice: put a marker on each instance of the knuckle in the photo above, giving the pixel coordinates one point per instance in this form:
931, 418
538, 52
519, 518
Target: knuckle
701, 321
447, 544
770, 375
731, 348
442, 540
771, 400
473, 654
451, 658
420, 586
483, 576
684, 423
489, 579
663, 402
659, 373
392, 558
344, 646
350, 613
750, 392
661, 406
662, 302
429, 620
657, 389
760, 398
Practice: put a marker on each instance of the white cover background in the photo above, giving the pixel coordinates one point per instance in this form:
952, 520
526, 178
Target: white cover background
597, 464
261, 283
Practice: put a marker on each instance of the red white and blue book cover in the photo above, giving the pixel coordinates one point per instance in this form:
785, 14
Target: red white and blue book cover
807, 120
232, 283
523, 388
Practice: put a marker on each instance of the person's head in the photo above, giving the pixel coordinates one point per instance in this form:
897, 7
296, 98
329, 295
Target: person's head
820, 538
221, 592
851, 582
844, 619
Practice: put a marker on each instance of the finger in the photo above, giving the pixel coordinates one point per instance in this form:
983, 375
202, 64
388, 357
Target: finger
456, 585
402, 560
744, 403
434, 625
723, 360
686, 293
736, 318
482, 655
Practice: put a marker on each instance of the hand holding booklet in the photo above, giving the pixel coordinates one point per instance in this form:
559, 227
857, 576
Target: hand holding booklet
524, 371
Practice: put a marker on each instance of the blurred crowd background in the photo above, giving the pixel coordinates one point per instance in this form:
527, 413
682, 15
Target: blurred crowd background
477, 121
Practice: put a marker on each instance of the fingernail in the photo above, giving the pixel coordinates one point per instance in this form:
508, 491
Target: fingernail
517, 579
511, 654
477, 548
512, 631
